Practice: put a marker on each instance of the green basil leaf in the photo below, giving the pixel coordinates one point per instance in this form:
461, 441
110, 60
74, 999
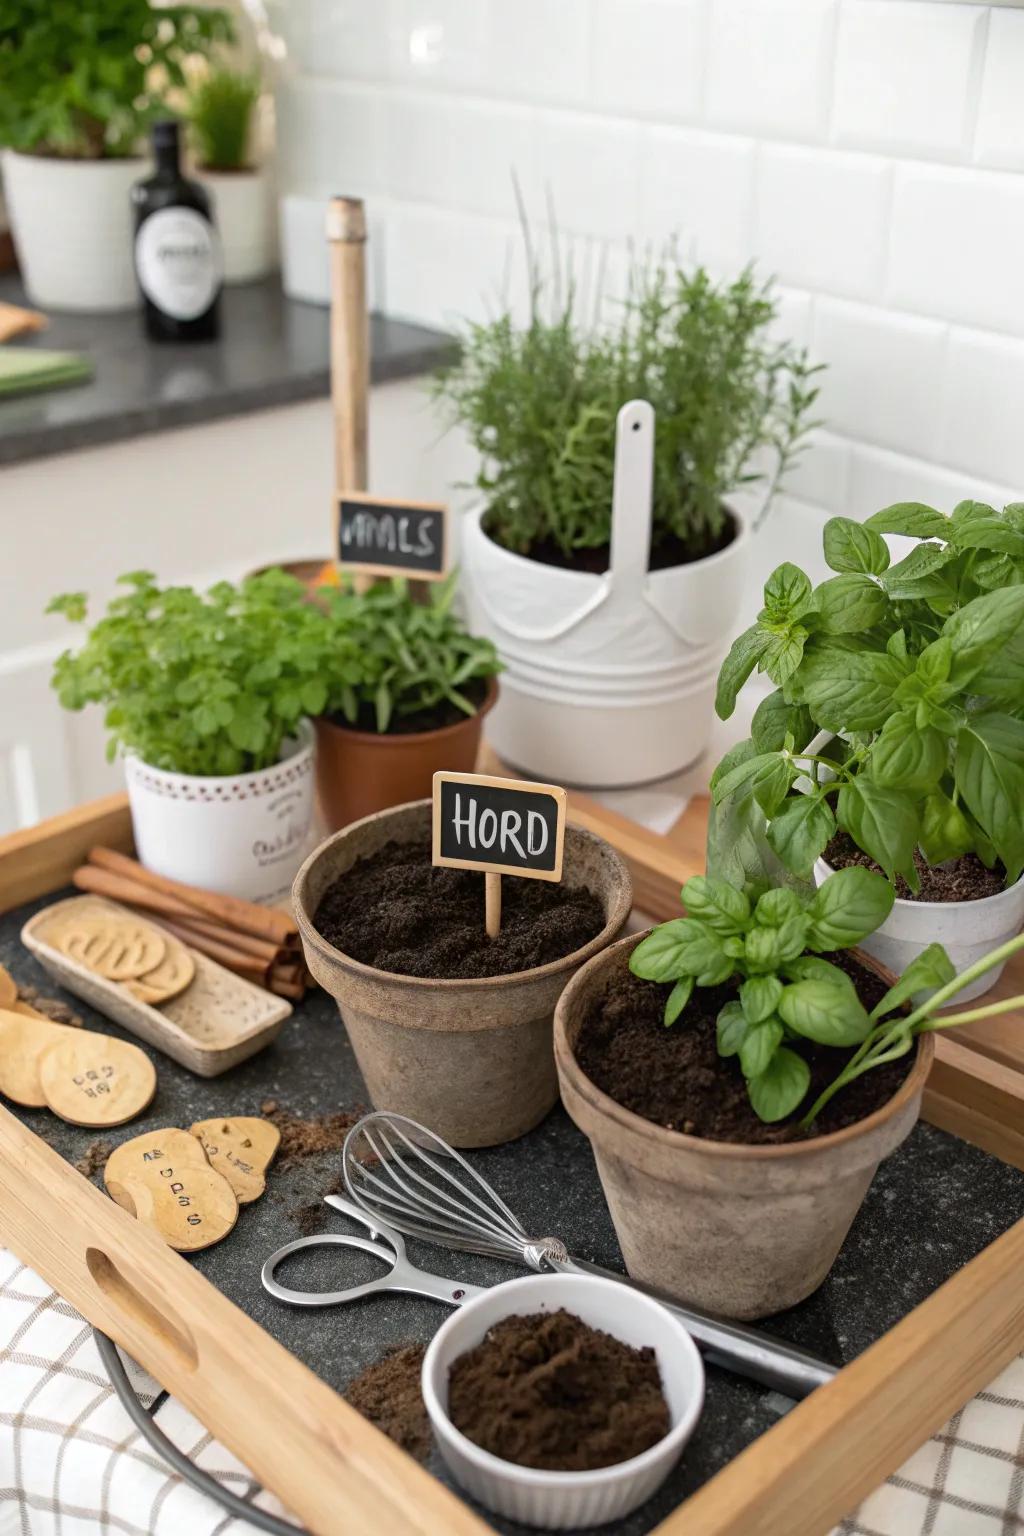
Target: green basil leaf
759, 1046
849, 604
814, 968
924, 560
678, 998
800, 832
781, 1087
759, 996
930, 969
967, 512
825, 1011
787, 593
772, 785
774, 719
904, 756
730, 1029
1002, 678
883, 822
854, 547
784, 653
737, 667
981, 629
663, 955
775, 906
846, 907
769, 948
989, 774
945, 831
747, 772
716, 903
847, 690
913, 519
990, 533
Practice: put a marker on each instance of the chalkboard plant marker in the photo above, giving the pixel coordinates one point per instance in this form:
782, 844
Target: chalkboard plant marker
498, 826
383, 536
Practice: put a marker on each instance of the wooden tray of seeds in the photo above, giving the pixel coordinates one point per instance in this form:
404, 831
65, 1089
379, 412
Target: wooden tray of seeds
925, 1302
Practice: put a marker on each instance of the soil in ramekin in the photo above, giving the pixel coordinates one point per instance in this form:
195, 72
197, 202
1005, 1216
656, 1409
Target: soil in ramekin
394, 910
443, 714
549, 1391
675, 1077
388, 1393
963, 879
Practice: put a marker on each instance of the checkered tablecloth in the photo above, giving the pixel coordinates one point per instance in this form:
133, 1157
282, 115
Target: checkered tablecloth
72, 1464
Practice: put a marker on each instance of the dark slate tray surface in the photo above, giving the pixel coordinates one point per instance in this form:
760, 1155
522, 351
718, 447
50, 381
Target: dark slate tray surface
933, 1206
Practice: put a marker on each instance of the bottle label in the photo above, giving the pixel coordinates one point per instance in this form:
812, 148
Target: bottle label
177, 257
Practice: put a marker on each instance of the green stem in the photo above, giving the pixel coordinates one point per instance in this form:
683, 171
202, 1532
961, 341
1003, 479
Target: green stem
989, 1011
951, 988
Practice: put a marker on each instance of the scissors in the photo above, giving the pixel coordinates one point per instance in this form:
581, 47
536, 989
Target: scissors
402, 1274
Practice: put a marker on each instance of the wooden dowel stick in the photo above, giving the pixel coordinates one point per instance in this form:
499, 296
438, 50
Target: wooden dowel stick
350, 348
492, 904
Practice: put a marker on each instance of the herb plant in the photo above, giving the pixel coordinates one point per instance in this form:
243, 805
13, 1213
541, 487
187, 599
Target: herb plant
899, 712
789, 994
220, 111
85, 78
204, 683
413, 656
539, 404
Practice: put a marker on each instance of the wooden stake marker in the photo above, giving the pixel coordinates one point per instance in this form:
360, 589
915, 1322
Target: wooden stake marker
499, 827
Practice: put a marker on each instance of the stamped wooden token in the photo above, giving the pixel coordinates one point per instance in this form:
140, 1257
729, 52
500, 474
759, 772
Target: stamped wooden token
93, 1079
23, 1042
240, 1147
117, 949
172, 974
163, 1179
8, 990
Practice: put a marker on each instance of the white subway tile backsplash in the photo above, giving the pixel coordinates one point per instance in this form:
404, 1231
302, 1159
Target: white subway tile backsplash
331, 37
698, 186
443, 268
879, 477
999, 136
330, 137
956, 243
537, 50
591, 166
904, 74
769, 66
648, 57
437, 43
985, 406
887, 386
791, 531
820, 477
821, 218
461, 151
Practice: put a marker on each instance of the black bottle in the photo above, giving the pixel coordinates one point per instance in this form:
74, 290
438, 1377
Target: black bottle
177, 251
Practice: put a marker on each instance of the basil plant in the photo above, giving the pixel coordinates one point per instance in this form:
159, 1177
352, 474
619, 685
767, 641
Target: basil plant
898, 715
787, 995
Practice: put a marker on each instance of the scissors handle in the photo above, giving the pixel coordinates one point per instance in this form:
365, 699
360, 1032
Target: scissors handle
401, 1275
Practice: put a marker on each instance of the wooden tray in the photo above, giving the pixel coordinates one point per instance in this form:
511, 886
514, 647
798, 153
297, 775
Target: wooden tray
332, 1468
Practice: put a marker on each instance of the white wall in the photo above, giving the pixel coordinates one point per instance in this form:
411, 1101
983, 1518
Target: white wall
869, 152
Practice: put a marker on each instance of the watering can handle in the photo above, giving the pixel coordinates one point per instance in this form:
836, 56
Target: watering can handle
631, 502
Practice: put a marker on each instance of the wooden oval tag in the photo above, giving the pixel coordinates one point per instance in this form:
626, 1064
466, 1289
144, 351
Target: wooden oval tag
241, 1148
92, 1079
162, 1178
8, 990
23, 1040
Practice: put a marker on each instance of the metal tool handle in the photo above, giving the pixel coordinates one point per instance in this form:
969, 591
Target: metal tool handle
747, 1351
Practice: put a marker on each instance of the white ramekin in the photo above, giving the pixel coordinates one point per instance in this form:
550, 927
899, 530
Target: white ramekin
563, 1500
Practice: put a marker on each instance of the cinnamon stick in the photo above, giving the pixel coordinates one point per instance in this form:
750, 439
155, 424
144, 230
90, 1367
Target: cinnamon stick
232, 959
247, 916
247, 943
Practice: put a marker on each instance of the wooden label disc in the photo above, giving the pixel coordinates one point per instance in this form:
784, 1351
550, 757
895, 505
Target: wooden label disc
168, 978
93, 1079
241, 1148
163, 1179
117, 948
24, 1039
8, 990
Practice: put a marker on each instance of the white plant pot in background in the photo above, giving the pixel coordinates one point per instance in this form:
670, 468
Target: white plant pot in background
244, 215
245, 835
73, 230
967, 930
610, 680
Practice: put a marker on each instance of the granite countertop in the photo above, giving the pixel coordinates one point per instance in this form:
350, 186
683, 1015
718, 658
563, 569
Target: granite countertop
271, 351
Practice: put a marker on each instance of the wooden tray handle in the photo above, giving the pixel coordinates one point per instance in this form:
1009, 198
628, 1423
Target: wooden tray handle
137, 1311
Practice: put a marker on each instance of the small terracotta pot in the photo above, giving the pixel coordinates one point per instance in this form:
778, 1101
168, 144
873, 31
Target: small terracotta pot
360, 772
470, 1059
743, 1231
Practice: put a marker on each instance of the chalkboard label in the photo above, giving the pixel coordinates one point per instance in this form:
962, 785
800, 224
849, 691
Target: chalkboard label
392, 538
502, 826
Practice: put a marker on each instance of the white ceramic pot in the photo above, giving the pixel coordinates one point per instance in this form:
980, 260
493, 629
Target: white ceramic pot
243, 836
967, 930
244, 215
610, 680
567, 1500
73, 231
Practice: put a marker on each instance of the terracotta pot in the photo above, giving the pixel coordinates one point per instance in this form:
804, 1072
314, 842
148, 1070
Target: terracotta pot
470, 1059
742, 1231
359, 772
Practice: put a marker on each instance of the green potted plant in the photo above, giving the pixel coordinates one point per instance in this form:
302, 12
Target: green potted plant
207, 697
605, 559
407, 691
741, 1072
895, 737
221, 110
80, 81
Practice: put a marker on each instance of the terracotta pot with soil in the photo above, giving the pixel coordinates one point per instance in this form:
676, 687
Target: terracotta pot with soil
449, 1027
362, 771
709, 1203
